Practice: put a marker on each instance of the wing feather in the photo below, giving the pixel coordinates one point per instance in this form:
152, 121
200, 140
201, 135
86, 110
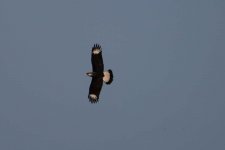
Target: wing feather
95, 89
96, 58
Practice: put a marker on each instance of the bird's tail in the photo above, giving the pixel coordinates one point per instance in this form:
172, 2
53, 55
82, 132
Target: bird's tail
108, 76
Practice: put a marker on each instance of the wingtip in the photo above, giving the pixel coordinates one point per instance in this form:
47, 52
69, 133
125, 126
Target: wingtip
96, 46
96, 49
93, 98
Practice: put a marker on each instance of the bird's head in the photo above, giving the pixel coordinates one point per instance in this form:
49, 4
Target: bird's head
90, 74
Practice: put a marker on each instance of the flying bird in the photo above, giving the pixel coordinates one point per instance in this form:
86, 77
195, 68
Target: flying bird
98, 74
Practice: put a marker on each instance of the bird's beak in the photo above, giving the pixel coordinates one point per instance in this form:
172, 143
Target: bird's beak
88, 74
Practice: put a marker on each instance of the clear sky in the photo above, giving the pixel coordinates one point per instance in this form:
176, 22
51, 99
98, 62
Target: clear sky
168, 58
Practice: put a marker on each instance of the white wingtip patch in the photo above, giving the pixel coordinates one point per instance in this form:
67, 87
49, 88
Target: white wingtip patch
96, 51
93, 96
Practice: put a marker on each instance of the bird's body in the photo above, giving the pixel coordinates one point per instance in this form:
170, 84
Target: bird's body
98, 74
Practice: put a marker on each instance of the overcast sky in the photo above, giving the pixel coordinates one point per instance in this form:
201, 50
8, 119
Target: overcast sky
168, 59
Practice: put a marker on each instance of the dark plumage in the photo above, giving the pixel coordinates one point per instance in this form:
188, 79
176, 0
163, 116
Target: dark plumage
98, 74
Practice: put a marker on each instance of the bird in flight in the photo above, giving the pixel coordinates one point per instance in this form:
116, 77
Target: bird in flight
98, 74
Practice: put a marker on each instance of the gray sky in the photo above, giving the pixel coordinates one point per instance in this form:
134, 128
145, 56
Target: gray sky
167, 56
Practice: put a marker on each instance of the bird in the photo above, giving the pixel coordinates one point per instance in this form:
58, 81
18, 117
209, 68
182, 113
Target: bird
98, 74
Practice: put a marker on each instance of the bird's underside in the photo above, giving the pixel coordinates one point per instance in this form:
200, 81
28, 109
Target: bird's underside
98, 74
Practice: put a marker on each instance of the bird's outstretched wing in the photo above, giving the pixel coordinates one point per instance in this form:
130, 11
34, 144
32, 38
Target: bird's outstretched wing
96, 58
95, 89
